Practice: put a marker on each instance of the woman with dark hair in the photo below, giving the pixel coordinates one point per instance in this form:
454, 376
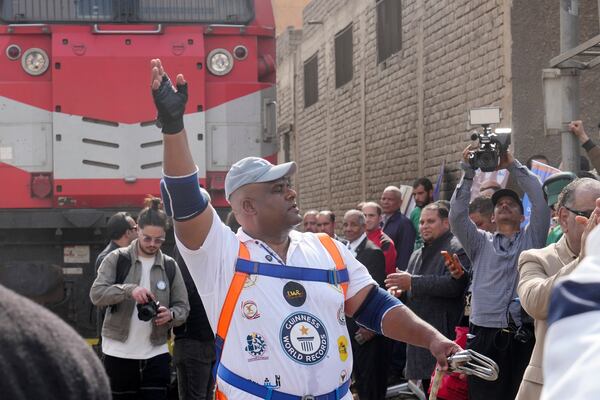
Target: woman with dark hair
146, 297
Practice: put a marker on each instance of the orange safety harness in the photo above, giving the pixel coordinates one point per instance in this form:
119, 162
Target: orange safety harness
237, 285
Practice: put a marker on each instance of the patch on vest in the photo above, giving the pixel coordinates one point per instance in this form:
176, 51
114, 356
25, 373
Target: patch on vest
341, 315
256, 347
250, 309
304, 338
294, 293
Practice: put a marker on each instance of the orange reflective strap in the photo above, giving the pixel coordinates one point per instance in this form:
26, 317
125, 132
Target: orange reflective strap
334, 252
233, 294
220, 395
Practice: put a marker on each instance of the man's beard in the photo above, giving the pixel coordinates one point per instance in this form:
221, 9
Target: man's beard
145, 252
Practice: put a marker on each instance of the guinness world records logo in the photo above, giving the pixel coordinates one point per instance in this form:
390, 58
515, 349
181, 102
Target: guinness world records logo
304, 338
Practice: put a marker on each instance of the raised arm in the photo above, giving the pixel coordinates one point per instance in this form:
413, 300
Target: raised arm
461, 225
593, 151
539, 220
182, 197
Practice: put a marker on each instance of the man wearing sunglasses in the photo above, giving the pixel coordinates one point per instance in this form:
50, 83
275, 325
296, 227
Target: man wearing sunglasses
539, 269
145, 296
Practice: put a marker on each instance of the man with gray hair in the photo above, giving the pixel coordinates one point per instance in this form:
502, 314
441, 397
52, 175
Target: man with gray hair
539, 269
397, 226
309, 221
369, 350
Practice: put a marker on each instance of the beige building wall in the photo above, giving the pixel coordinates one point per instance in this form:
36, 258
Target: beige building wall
401, 119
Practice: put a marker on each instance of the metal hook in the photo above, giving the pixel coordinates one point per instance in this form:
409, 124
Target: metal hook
470, 362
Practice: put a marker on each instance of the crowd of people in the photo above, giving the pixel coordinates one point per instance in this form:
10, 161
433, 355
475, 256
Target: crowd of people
281, 307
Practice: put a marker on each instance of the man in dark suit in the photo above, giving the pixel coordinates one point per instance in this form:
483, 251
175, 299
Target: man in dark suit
397, 226
369, 349
428, 288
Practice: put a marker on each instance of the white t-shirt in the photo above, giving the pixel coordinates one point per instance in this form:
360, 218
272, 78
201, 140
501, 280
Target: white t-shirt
137, 346
289, 335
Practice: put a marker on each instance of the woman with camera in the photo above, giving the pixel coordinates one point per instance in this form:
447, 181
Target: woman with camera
145, 296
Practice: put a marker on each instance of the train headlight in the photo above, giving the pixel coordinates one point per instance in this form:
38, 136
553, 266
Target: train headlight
35, 61
240, 52
13, 52
220, 62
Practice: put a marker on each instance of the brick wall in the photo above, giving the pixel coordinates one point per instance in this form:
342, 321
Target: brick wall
400, 119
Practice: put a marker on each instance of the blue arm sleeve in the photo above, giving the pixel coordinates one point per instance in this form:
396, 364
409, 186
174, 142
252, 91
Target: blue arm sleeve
182, 196
374, 308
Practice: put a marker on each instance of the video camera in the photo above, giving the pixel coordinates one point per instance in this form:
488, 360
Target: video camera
492, 145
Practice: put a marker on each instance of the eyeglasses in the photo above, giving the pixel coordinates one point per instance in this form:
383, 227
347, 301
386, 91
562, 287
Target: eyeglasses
150, 239
586, 214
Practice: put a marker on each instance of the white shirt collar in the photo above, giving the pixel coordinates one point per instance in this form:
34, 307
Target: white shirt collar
353, 245
295, 238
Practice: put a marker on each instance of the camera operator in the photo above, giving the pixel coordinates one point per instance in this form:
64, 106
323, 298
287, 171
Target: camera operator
540, 268
494, 266
146, 296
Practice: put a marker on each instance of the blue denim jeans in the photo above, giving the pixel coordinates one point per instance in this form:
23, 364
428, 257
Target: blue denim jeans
194, 360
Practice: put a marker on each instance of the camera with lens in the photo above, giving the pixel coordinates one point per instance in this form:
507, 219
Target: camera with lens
148, 310
492, 145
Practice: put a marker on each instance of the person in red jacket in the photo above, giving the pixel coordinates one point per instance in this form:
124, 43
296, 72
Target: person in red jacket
375, 234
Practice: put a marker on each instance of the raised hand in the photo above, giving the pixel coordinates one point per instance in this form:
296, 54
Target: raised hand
590, 223
576, 128
453, 264
169, 101
506, 159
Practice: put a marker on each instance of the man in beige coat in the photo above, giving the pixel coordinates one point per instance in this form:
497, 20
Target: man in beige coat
540, 268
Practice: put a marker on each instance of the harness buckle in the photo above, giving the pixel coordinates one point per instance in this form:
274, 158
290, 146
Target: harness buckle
308, 397
334, 280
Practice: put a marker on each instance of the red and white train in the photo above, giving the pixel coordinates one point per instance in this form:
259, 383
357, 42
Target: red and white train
78, 140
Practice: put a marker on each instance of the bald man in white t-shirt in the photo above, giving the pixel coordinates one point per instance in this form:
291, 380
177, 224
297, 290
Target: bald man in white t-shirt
286, 336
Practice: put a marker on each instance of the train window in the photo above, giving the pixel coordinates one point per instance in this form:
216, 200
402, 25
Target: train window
343, 56
389, 28
97, 10
311, 80
127, 11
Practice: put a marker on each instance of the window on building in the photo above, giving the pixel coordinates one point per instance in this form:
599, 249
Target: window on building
311, 81
389, 28
343, 56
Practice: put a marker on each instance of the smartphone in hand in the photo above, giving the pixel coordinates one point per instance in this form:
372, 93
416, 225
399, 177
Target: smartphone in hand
454, 266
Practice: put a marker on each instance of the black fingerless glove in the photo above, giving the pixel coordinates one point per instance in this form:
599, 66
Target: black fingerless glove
170, 105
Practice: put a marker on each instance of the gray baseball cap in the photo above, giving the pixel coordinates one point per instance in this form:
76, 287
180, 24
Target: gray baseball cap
255, 170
